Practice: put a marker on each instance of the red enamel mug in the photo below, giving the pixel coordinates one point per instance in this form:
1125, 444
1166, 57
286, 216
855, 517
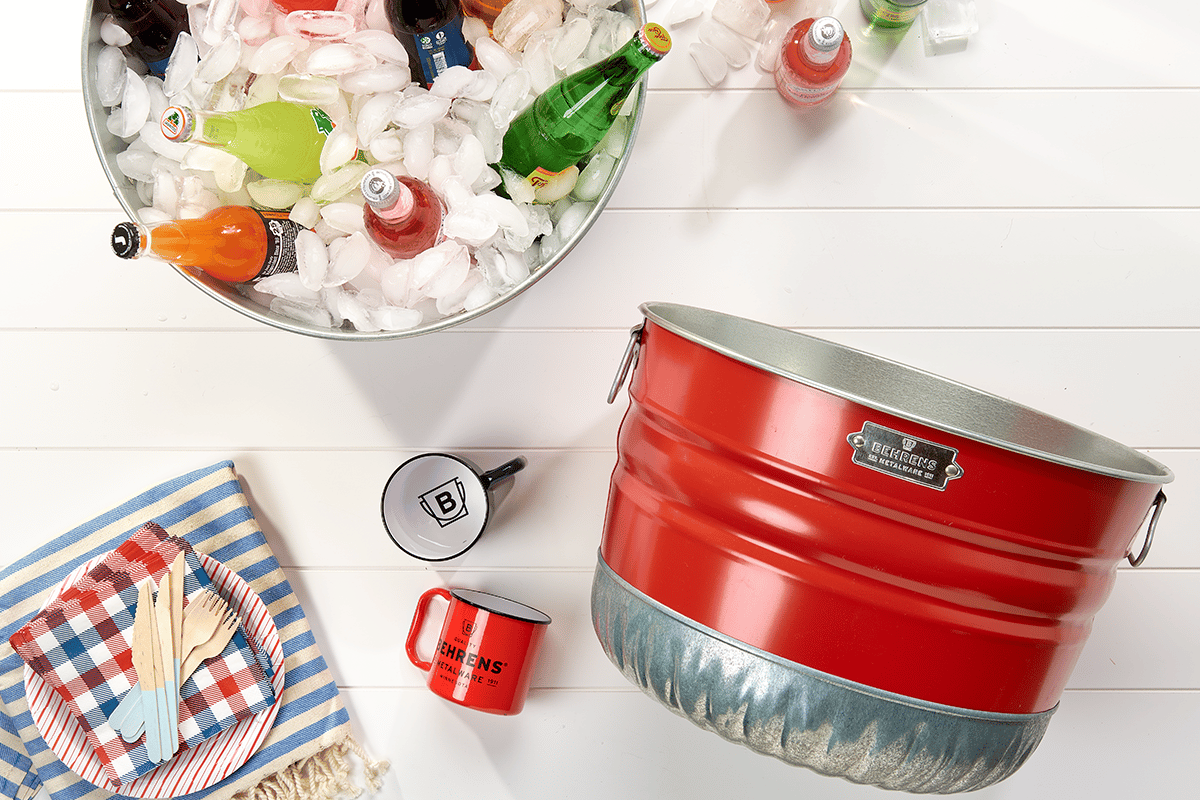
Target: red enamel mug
485, 652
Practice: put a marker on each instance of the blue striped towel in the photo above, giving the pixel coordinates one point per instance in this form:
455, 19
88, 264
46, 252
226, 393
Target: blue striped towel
206, 507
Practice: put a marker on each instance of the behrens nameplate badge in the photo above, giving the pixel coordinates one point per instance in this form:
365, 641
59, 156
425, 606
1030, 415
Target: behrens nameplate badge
903, 456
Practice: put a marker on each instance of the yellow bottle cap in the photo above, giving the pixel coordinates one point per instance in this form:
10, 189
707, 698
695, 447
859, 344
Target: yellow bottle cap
656, 38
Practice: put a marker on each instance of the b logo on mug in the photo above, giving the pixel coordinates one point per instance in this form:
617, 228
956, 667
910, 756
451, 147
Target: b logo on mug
446, 503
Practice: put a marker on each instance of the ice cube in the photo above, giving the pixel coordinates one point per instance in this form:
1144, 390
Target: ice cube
255, 30
594, 177
395, 282
469, 160
949, 20
276, 54
135, 103
511, 97
381, 44
306, 212
395, 318
112, 33
166, 194
452, 82
219, 62
470, 224
571, 41
181, 67
339, 58
441, 269
712, 64
135, 163
111, 70
339, 183
479, 296
474, 29
350, 260
729, 44
615, 140
421, 108
309, 90
344, 216
517, 186
684, 10
288, 286
381, 78
320, 26
521, 18
482, 86
771, 45
312, 259
747, 17
374, 115
375, 17
271, 193
219, 21
454, 301
387, 146
494, 58
302, 312
340, 148
418, 151
251, 8
537, 61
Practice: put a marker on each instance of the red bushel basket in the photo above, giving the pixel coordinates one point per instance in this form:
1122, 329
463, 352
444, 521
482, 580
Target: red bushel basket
850, 564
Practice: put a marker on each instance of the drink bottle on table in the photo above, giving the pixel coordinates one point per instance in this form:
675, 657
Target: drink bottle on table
154, 25
277, 139
566, 122
891, 13
231, 243
431, 32
814, 58
402, 214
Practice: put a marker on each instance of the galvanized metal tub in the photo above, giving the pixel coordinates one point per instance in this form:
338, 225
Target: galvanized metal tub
908, 538
239, 299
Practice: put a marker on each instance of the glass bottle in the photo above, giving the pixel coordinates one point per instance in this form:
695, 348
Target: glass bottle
277, 139
891, 13
813, 61
431, 32
402, 214
486, 10
568, 120
231, 243
153, 25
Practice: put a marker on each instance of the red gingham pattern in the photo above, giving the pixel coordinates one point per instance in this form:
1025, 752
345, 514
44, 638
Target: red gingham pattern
79, 645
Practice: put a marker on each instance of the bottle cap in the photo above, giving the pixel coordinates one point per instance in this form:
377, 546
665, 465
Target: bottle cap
380, 188
825, 34
177, 123
655, 38
126, 240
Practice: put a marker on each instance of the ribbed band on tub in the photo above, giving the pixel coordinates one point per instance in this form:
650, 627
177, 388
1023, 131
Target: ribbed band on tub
304, 756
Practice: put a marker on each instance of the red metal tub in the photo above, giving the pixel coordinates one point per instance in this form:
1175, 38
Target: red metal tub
921, 554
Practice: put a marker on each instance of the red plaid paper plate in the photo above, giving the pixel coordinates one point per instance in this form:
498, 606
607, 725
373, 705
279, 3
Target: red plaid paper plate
194, 768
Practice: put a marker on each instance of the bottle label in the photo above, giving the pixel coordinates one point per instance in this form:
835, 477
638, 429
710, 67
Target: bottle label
439, 50
541, 176
322, 120
281, 243
805, 95
893, 13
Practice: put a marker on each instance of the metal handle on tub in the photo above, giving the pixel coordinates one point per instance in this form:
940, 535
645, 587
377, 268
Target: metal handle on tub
631, 352
1156, 509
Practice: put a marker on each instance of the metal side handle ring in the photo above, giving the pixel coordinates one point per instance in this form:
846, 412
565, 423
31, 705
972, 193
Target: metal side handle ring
1155, 511
631, 352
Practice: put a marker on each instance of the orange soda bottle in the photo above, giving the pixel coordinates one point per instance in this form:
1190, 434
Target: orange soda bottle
231, 243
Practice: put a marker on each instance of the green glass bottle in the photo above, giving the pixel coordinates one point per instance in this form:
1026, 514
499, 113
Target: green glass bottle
569, 119
891, 13
276, 139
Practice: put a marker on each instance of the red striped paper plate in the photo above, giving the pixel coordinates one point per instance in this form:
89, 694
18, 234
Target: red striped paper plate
191, 769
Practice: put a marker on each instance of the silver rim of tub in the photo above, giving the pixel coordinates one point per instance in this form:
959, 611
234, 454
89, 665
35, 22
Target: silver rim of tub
799, 715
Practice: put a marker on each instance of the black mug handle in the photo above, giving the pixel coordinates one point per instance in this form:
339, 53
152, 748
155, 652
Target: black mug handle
505, 470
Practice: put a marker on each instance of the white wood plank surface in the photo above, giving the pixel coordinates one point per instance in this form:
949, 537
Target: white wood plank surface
1021, 214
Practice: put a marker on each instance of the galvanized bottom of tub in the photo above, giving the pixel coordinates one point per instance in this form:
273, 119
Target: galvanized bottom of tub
799, 715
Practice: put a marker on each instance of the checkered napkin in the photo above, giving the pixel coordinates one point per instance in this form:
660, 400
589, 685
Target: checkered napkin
80, 646
305, 754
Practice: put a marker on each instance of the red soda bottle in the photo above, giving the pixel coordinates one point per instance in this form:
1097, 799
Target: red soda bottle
402, 214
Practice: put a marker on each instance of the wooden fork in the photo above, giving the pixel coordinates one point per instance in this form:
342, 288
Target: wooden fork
201, 621
211, 647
